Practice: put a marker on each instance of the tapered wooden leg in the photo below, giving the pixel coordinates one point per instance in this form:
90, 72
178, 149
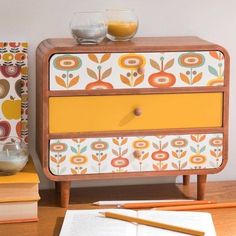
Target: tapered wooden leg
186, 179
201, 183
57, 187
65, 193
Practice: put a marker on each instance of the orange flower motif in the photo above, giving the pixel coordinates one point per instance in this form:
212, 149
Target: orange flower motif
20, 56
98, 85
191, 60
58, 147
160, 155
179, 142
140, 144
14, 44
161, 80
24, 70
99, 145
78, 159
197, 159
8, 56
120, 162
132, 61
67, 63
216, 142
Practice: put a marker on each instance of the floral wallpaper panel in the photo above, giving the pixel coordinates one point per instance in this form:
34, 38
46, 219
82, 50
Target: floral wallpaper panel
13, 90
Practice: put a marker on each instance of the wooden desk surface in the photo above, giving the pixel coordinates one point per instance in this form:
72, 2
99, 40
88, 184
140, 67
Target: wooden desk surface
51, 216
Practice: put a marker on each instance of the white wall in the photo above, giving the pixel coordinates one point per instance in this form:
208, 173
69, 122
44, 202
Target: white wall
214, 20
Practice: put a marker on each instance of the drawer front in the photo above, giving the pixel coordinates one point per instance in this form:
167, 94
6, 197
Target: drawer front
135, 154
136, 70
111, 113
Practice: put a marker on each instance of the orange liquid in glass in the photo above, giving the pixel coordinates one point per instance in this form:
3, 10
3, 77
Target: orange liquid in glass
121, 29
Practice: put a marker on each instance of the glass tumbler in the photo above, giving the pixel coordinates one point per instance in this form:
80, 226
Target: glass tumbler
122, 25
88, 27
13, 155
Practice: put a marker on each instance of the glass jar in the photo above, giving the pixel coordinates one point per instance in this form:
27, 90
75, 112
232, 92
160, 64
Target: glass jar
122, 25
13, 155
88, 27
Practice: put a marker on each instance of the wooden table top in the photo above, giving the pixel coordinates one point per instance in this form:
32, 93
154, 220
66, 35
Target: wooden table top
51, 216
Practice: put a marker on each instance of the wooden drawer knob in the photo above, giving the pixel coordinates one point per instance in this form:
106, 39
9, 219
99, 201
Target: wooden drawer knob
137, 154
137, 112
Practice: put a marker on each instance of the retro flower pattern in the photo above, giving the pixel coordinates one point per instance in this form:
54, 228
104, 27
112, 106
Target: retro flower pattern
135, 154
136, 70
99, 155
99, 145
120, 161
216, 150
57, 150
134, 65
179, 142
78, 159
217, 71
179, 152
66, 65
140, 146
198, 159
99, 75
162, 79
132, 61
191, 61
58, 147
14, 90
160, 155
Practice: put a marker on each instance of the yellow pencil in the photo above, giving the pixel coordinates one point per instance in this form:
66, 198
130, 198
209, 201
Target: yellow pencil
152, 223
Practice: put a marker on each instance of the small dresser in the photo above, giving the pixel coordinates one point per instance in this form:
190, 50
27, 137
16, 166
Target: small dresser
145, 107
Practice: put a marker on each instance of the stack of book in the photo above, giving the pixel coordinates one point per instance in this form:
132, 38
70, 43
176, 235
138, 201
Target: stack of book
19, 196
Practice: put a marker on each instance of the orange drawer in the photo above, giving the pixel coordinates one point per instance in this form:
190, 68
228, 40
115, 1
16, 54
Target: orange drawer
158, 111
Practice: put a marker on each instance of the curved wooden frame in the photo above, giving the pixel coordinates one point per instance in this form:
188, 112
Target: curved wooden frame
49, 47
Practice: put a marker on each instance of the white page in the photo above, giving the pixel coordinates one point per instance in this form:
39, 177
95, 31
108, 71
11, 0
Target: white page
91, 223
201, 221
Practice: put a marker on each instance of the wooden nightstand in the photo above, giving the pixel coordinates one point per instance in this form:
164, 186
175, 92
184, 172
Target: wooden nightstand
146, 107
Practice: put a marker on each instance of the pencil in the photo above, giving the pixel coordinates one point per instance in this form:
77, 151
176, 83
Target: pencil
198, 207
153, 223
164, 204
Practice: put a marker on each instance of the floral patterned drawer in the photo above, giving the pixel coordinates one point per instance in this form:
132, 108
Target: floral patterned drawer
135, 154
136, 70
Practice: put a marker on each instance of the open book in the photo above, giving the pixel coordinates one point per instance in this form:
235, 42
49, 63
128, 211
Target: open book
91, 223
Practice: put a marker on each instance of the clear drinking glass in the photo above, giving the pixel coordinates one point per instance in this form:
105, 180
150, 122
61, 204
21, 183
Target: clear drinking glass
13, 155
88, 27
122, 25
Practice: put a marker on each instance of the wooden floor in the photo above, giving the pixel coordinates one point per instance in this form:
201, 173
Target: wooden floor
51, 216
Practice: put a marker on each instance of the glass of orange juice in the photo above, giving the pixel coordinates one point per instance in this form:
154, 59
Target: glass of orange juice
122, 24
